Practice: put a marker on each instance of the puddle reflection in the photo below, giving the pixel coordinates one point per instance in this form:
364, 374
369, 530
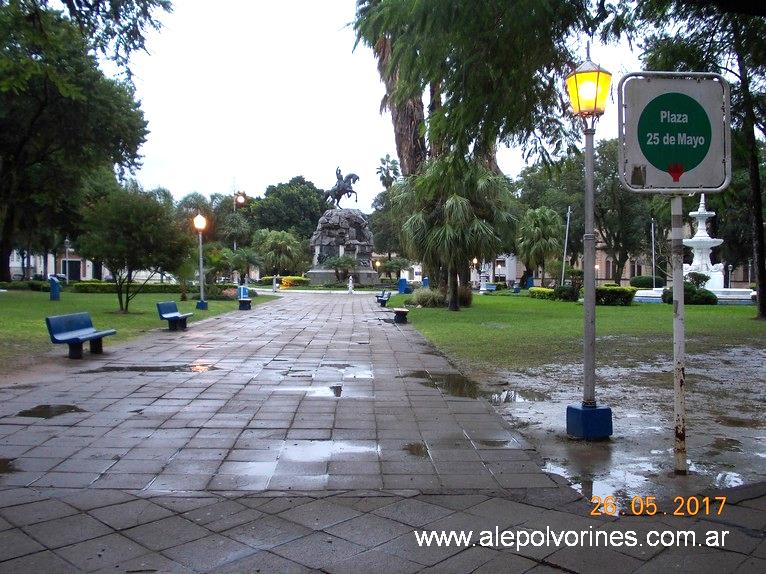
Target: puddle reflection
49, 411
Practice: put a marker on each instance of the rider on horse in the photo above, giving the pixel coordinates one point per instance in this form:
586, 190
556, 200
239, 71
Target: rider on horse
342, 187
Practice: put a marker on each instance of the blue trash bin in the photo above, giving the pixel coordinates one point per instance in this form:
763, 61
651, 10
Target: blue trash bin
55, 288
426, 283
402, 286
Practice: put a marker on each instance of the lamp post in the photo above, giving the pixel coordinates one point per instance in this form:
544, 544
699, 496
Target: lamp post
67, 243
377, 266
731, 268
240, 197
588, 88
595, 274
199, 224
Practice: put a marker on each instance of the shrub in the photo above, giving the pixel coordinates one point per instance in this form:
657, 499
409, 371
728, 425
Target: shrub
428, 298
228, 293
541, 293
697, 279
293, 281
615, 295
576, 277
465, 295
95, 287
388, 281
609, 285
645, 281
692, 295
566, 293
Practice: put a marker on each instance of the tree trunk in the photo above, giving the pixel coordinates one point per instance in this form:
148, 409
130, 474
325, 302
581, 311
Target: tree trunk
465, 275
756, 206
438, 145
406, 117
6, 242
454, 302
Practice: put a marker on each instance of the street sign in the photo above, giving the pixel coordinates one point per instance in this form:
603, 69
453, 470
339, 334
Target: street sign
675, 132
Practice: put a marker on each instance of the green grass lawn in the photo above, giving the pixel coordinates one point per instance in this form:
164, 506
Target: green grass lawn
516, 332
22, 318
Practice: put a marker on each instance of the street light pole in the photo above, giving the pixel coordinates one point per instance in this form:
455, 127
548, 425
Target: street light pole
588, 88
566, 242
199, 224
66, 258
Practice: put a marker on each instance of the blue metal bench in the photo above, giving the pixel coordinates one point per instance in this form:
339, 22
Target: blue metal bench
168, 311
491, 286
74, 330
383, 297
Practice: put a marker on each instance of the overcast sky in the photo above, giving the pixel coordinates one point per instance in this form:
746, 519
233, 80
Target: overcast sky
242, 94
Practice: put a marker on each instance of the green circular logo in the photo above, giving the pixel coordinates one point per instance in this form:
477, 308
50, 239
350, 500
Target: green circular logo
674, 133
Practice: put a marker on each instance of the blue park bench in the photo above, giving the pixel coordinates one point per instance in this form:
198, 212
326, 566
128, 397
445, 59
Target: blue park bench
383, 297
490, 286
74, 330
168, 311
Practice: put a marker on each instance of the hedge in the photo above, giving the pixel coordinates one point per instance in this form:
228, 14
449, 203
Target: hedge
285, 281
566, 293
541, 293
645, 281
692, 295
84, 287
615, 295
26, 285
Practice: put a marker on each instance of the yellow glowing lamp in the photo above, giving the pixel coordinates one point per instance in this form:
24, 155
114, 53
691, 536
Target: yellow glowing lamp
588, 88
475, 261
199, 222
377, 264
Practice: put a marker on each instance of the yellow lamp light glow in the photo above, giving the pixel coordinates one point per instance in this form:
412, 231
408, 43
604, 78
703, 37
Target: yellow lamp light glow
588, 88
240, 199
199, 222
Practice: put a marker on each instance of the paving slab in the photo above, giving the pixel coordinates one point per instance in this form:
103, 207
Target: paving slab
309, 433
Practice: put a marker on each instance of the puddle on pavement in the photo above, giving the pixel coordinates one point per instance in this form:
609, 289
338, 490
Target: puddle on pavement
6, 466
493, 443
49, 411
453, 384
518, 396
322, 450
199, 368
337, 365
738, 422
416, 448
329, 392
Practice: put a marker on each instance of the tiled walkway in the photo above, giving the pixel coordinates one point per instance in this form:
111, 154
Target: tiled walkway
309, 433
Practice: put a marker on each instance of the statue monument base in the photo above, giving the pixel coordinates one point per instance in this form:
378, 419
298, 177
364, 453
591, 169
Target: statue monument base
342, 232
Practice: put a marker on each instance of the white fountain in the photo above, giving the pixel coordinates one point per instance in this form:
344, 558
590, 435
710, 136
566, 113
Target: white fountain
701, 244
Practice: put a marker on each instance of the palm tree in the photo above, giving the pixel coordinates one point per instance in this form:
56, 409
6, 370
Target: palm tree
539, 237
388, 171
452, 211
279, 250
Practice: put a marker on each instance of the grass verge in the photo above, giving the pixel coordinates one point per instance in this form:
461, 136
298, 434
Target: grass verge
22, 319
517, 332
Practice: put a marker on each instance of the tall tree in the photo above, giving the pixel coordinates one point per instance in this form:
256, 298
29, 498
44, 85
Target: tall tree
453, 211
59, 117
622, 217
539, 238
705, 35
280, 251
130, 230
295, 206
407, 114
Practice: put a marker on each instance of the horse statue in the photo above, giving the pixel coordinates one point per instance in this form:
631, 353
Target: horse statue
342, 187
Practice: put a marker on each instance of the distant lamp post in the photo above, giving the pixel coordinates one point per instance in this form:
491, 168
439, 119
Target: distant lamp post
595, 273
588, 88
731, 268
377, 266
200, 223
67, 243
240, 198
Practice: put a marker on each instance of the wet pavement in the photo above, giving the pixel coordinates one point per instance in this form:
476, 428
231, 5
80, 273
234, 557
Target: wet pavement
309, 434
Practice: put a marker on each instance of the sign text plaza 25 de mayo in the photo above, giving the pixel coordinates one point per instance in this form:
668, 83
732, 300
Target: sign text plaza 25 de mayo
674, 132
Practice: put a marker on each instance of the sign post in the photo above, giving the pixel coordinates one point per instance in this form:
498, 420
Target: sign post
675, 139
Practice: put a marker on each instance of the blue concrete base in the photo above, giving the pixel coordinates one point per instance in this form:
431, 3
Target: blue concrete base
202, 305
589, 423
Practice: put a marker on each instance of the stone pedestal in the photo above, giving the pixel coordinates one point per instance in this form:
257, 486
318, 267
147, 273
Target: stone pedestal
342, 232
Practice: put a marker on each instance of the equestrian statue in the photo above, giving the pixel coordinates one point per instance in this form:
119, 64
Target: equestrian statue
342, 187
